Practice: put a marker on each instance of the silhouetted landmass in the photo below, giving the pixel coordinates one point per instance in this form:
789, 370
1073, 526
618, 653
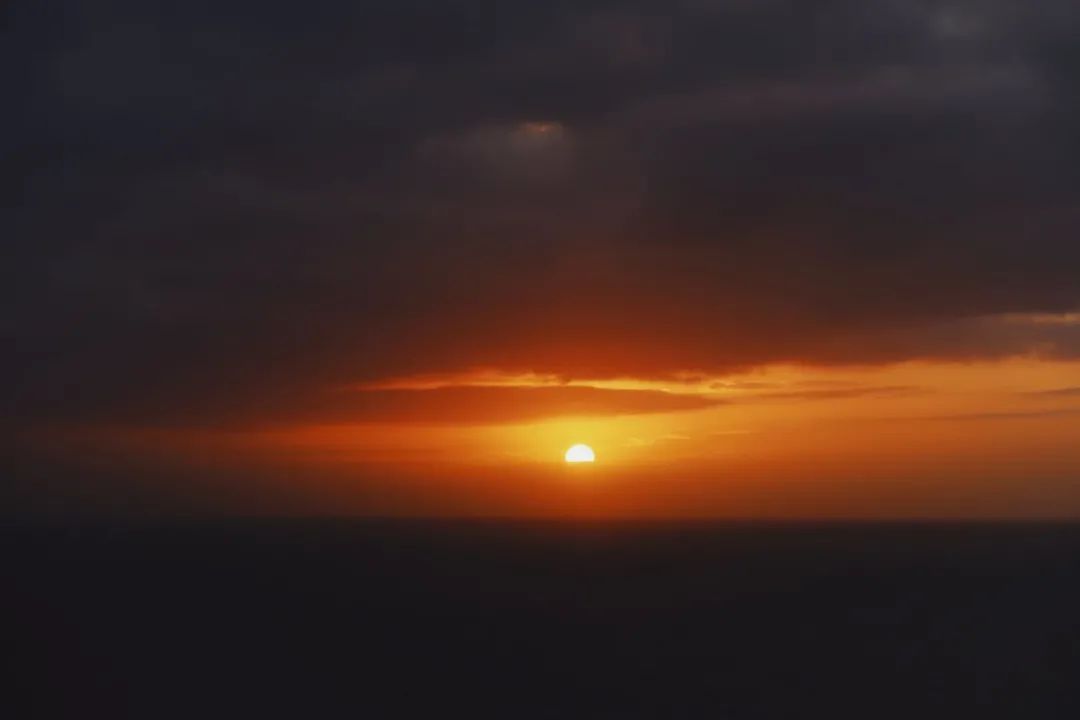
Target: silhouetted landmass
242, 619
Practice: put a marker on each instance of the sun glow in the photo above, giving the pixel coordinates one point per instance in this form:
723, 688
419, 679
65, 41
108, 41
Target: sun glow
580, 454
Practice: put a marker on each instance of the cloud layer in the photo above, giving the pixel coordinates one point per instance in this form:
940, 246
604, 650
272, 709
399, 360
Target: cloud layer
222, 205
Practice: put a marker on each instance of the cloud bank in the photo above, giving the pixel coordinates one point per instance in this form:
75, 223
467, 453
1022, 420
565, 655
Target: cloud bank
223, 205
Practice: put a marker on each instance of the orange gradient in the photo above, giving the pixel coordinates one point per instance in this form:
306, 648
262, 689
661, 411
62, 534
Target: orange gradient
909, 440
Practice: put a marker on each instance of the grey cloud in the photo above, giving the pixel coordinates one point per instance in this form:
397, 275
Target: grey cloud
214, 201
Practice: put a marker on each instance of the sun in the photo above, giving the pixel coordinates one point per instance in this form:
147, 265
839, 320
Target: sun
580, 454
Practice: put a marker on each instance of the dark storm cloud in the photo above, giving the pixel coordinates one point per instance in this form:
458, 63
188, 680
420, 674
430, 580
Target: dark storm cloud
212, 203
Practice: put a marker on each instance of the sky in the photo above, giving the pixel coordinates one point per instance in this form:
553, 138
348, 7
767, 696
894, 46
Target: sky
770, 259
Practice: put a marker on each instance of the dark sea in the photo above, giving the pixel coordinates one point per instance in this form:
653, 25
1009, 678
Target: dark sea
432, 619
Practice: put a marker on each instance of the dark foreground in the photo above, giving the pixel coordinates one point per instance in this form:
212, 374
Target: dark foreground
314, 619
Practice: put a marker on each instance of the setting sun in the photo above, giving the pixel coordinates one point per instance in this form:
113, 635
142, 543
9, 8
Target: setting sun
580, 454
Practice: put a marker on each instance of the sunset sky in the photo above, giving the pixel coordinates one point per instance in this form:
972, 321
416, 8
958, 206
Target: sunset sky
769, 259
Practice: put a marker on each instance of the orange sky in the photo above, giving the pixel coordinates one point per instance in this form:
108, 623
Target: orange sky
394, 266
913, 440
